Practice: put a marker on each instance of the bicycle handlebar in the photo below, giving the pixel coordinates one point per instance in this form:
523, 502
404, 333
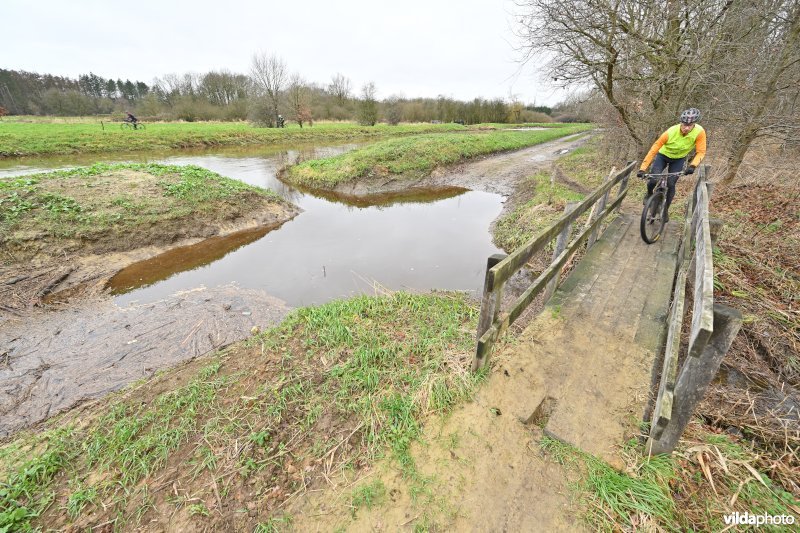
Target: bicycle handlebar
662, 175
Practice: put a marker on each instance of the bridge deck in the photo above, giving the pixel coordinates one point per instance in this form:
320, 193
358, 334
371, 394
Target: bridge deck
585, 362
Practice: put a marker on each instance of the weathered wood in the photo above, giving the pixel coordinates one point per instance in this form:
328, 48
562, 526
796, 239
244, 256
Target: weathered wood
598, 208
487, 301
506, 268
623, 184
695, 376
703, 310
561, 243
669, 370
518, 307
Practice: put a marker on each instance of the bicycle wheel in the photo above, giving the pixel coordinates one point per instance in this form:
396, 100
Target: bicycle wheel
139, 126
652, 223
126, 126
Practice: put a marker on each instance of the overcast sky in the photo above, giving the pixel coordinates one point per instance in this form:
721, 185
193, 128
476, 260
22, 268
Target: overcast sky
460, 48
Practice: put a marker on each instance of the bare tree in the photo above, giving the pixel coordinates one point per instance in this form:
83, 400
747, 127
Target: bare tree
340, 88
299, 99
368, 105
646, 57
754, 89
269, 76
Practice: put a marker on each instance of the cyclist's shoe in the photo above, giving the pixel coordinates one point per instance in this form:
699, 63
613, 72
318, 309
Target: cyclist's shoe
666, 217
644, 200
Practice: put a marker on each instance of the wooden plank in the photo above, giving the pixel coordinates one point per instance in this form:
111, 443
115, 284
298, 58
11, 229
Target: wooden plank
528, 296
598, 208
703, 310
506, 268
488, 339
487, 302
695, 376
669, 370
561, 243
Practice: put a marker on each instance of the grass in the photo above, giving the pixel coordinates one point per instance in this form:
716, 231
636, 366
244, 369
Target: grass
416, 156
94, 202
331, 389
19, 138
671, 493
545, 206
368, 495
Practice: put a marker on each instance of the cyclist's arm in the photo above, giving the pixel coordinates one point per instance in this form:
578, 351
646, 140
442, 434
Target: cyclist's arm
661, 141
699, 148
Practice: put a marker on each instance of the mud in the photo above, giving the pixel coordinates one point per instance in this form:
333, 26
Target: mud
63, 342
498, 174
52, 361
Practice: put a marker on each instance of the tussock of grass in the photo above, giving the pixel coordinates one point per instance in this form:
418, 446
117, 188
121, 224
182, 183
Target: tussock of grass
672, 493
330, 389
24, 139
417, 156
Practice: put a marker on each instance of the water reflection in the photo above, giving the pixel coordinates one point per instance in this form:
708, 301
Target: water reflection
339, 246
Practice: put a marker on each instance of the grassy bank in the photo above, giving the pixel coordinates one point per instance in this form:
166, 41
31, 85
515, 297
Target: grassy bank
416, 156
708, 478
41, 138
544, 195
113, 207
225, 442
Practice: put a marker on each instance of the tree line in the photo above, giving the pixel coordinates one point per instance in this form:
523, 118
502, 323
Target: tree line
268, 90
646, 60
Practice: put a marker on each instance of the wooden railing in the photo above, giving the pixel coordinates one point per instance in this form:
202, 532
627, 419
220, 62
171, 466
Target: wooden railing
713, 328
493, 320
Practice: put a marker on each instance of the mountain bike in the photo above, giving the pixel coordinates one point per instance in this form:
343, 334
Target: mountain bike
654, 213
128, 125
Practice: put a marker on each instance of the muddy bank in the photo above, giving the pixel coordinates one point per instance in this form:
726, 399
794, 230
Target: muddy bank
52, 361
498, 174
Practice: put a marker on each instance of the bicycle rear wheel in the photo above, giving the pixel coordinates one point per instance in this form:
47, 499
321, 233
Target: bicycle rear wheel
652, 222
126, 126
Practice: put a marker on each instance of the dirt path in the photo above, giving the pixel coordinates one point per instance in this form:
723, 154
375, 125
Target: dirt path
499, 174
579, 373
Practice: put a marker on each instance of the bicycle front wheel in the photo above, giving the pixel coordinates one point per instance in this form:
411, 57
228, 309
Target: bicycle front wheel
652, 222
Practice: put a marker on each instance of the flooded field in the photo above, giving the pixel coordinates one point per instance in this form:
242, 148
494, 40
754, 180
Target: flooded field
337, 247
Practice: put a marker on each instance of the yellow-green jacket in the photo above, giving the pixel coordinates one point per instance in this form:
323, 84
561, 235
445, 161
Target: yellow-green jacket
673, 144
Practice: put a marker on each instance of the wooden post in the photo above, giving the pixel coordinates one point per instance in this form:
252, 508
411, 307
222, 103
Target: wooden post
487, 302
561, 243
623, 185
597, 209
695, 376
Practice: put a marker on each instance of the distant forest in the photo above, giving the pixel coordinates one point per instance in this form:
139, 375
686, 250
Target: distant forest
222, 95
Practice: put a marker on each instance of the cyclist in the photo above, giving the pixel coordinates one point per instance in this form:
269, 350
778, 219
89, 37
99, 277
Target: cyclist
670, 151
130, 118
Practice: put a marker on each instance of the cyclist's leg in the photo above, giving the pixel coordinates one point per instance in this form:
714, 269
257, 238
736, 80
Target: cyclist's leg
659, 164
675, 165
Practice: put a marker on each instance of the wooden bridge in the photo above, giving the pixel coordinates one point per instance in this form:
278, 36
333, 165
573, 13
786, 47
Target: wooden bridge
603, 355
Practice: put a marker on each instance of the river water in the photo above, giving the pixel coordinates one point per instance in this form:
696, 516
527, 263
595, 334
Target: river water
337, 247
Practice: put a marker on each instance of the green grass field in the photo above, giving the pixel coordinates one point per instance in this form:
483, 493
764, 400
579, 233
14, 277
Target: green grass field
112, 202
417, 156
30, 138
